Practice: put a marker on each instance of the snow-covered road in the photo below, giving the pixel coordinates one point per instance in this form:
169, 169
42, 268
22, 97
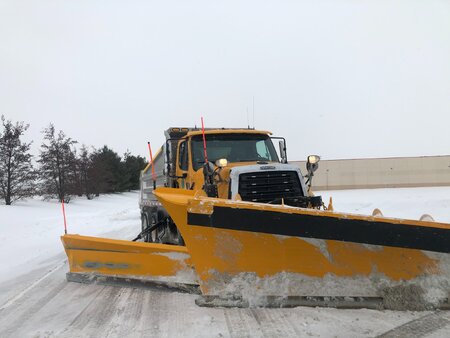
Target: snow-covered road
56, 308
37, 301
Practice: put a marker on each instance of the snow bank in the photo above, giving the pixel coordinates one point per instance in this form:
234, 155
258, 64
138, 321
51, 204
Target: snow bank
30, 230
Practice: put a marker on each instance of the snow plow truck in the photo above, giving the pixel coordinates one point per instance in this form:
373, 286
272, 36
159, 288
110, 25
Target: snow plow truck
224, 215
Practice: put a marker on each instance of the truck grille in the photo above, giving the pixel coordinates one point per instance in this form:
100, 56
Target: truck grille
269, 186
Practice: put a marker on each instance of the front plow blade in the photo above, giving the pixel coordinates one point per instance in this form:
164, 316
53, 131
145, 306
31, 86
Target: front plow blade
110, 261
251, 252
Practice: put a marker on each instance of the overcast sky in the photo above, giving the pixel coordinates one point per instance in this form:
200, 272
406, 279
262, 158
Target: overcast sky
340, 78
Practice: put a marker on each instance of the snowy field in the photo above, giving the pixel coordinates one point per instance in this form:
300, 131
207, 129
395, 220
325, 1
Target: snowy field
36, 300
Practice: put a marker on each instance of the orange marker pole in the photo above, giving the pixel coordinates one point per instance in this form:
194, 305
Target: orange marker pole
64, 215
204, 141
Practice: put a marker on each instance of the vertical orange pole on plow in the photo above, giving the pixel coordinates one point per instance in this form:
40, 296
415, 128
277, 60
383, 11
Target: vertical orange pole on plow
64, 216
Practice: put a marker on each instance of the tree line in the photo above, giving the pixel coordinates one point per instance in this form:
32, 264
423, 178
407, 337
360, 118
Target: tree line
61, 170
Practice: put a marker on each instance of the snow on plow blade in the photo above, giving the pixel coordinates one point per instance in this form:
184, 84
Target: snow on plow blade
254, 252
110, 261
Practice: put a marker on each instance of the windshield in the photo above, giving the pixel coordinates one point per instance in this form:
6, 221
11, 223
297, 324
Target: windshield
233, 147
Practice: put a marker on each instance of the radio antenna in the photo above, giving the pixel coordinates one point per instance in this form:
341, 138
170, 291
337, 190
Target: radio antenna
248, 122
253, 112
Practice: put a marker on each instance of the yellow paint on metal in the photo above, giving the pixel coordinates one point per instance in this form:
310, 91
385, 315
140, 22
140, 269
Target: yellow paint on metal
228, 131
232, 252
104, 256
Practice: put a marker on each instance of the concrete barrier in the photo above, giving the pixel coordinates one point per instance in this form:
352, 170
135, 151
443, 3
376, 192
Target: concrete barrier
394, 172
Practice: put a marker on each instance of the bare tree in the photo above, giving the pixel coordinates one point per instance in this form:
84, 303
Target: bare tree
56, 159
16, 171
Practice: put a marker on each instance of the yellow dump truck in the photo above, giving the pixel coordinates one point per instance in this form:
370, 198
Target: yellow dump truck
225, 215
243, 164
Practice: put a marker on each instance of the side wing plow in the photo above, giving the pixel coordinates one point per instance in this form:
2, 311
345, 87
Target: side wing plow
110, 261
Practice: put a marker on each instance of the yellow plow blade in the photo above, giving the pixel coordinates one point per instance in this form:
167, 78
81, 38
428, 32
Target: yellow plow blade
257, 251
107, 260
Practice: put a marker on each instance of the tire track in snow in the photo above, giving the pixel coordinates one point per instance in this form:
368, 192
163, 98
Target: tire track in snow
237, 324
31, 286
132, 306
289, 322
127, 308
259, 322
148, 324
33, 302
122, 312
420, 327
269, 322
95, 319
76, 321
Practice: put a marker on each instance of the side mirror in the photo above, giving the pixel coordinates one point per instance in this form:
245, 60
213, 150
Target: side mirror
209, 187
312, 163
282, 146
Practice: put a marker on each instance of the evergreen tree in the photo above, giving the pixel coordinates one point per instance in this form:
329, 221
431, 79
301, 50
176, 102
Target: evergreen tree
106, 171
132, 167
74, 182
85, 169
56, 159
16, 171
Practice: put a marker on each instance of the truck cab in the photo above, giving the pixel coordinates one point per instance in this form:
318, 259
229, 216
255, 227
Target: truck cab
237, 164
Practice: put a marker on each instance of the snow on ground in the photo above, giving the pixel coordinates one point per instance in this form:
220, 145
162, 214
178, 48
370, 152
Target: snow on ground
409, 203
36, 300
30, 230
